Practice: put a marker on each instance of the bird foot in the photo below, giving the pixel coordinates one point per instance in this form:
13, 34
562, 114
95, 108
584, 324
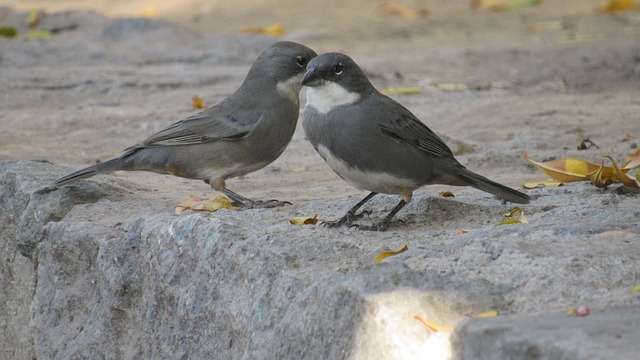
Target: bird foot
379, 226
346, 220
260, 204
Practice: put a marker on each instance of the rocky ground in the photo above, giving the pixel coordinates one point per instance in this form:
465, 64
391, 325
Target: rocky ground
105, 268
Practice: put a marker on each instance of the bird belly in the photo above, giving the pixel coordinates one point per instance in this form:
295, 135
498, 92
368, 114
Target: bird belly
380, 182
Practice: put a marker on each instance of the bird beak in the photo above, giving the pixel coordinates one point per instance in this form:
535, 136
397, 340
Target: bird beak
310, 78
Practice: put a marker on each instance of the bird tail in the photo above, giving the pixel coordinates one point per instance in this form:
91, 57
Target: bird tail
106, 167
482, 183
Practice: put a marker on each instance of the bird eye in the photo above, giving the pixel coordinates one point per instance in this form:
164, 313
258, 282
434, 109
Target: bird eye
301, 61
337, 69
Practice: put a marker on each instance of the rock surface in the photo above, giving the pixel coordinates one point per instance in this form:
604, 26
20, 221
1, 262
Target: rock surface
104, 269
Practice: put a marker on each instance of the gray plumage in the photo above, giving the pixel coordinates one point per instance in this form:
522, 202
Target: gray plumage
241, 134
376, 144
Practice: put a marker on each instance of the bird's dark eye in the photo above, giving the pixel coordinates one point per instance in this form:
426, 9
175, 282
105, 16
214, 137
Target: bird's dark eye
337, 69
301, 61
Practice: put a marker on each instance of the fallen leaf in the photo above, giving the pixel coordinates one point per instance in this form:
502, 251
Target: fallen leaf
304, 220
447, 194
195, 203
8, 31
496, 5
402, 90
433, 326
385, 254
149, 12
632, 160
622, 177
626, 138
522, 220
197, 102
274, 30
602, 177
486, 314
403, 11
566, 170
511, 213
33, 19
618, 5
547, 183
635, 289
37, 34
463, 231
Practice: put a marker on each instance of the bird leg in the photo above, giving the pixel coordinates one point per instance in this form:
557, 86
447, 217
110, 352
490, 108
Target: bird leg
351, 215
384, 223
245, 203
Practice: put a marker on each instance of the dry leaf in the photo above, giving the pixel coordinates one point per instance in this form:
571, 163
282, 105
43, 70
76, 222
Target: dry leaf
496, 5
149, 12
548, 183
402, 90
403, 11
602, 177
33, 19
635, 289
385, 254
622, 177
303, 220
197, 102
195, 203
37, 34
486, 314
632, 160
447, 194
567, 170
433, 326
274, 30
626, 138
511, 213
618, 5
463, 231
522, 220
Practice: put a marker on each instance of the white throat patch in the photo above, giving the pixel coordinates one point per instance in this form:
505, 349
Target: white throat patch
325, 98
290, 88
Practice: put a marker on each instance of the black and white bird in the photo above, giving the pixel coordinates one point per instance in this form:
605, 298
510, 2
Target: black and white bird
376, 144
241, 134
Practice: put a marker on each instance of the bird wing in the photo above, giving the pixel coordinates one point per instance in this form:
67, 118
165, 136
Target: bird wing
408, 129
206, 126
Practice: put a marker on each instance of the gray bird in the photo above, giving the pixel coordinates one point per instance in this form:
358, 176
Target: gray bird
376, 144
241, 134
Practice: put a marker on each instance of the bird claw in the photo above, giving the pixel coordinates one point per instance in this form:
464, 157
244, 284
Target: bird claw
260, 204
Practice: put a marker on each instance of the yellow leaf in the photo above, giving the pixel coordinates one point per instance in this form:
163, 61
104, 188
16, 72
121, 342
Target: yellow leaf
635, 289
618, 5
447, 194
303, 220
433, 326
8, 31
572, 312
601, 177
149, 12
38, 34
385, 254
274, 30
621, 176
33, 19
565, 170
511, 213
486, 314
522, 220
402, 90
403, 11
548, 183
197, 102
463, 231
496, 5
195, 203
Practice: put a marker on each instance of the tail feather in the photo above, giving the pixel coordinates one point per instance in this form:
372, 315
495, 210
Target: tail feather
482, 183
101, 168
